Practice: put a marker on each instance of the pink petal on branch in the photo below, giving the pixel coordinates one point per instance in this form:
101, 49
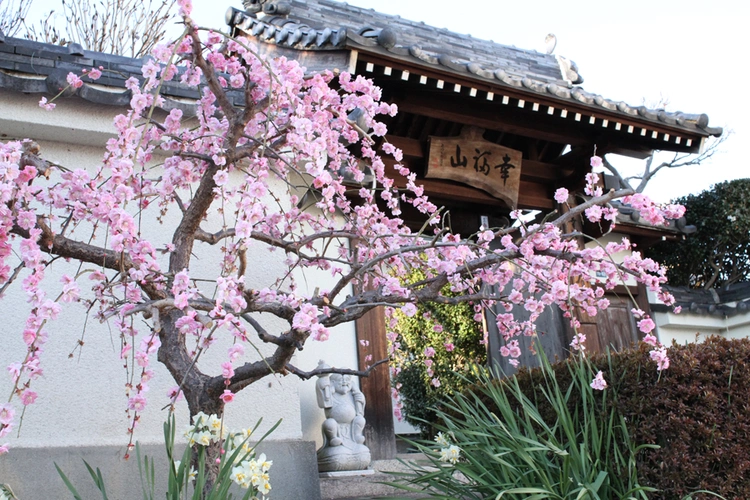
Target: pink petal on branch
49, 106
227, 396
646, 325
28, 397
561, 195
599, 383
6, 414
74, 80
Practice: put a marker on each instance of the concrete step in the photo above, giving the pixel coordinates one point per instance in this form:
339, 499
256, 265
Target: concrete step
365, 485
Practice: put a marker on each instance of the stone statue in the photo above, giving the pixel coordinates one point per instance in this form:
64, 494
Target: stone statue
343, 438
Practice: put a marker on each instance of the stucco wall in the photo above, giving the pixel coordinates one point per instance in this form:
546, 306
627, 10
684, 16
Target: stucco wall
81, 397
690, 327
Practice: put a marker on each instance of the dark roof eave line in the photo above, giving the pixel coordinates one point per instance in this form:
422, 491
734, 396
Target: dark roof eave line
500, 87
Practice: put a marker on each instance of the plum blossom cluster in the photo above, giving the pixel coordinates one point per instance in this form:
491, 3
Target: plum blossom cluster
307, 118
6, 424
539, 267
646, 325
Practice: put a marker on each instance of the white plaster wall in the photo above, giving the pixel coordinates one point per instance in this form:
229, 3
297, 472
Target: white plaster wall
82, 398
689, 327
74, 121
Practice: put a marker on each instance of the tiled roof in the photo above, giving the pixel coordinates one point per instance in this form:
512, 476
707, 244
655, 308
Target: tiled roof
41, 68
629, 216
329, 24
326, 24
311, 25
723, 302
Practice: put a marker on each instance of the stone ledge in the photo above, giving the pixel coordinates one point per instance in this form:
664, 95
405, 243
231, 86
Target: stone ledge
364, 486
294, 474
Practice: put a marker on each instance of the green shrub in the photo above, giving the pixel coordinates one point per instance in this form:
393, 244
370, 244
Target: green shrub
458, 342
697, 412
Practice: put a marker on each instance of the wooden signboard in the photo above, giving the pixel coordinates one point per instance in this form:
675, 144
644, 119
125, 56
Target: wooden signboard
471, 160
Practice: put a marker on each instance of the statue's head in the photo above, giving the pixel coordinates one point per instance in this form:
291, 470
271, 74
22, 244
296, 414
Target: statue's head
341, 383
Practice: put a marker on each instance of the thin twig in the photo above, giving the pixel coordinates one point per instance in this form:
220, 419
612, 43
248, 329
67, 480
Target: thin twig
327, 371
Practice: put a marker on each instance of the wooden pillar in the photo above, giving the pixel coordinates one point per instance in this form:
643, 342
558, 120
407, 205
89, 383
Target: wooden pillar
380, 436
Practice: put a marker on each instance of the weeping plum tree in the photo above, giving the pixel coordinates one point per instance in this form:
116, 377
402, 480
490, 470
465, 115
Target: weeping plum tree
243, 168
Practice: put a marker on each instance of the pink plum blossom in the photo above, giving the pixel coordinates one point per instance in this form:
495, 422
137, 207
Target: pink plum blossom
599, 384
409, 309
6, 414
49, 106
651, 340
137, 403
646, 325
28, 397
660, 356
175, 393
74, 80
227, 371
561, 195
579, 342
236, 351
227, 396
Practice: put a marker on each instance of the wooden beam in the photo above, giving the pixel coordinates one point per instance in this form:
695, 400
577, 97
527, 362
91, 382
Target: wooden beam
410, 147
380, 435
540, 171
451, 111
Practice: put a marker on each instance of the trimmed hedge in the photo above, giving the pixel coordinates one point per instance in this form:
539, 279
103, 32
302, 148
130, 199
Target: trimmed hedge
697, 411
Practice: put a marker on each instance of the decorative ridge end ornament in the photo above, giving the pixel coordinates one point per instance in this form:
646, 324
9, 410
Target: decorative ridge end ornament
569, 70
472, 160
343, 429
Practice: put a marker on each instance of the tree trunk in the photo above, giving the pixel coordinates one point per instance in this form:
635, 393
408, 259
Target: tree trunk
201, 395
198, 401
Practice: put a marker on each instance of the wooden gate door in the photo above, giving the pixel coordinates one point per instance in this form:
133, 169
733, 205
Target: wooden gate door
613, 328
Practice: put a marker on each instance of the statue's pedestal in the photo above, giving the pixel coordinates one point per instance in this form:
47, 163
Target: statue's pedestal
348, 457
370, 482
348, 473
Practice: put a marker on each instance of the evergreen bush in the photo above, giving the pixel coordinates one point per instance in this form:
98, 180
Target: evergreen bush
433, 352
697, 412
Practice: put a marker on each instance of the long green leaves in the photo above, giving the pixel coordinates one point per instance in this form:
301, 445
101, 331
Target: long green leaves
183, 482
511, 450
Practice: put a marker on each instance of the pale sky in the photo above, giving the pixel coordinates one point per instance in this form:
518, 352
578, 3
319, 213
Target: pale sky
690, 53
